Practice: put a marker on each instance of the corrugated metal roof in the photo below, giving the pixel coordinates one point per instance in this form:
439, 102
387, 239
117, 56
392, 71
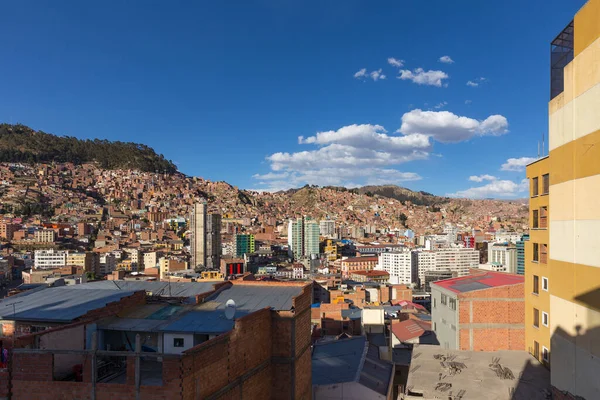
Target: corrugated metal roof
376, 373
166, 289
60, 304
337, 361
348, 360
209, 317
202, 321
131, 324
252, 298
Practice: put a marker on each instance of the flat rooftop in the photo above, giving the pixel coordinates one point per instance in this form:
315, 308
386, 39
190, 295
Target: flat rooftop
481, 281
436, 373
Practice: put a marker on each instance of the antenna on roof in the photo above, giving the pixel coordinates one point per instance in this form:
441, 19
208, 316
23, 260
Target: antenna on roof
543, 144
230, 309
538, 150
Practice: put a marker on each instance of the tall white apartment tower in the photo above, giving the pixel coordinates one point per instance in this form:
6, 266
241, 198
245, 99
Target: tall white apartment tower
205, 242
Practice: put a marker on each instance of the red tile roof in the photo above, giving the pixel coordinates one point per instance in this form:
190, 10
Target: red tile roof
370, 273
410, 329
480, 281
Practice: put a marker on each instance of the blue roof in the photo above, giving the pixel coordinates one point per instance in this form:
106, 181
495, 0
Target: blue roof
337, 361
61, 304
351, 360
164, 289
209, 318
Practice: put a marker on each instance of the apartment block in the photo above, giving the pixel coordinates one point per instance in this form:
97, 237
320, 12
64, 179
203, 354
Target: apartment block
537, 268
48, 259
352, 264
44, 236
481, 312
401, 265
244, 244
563, 285
303, 237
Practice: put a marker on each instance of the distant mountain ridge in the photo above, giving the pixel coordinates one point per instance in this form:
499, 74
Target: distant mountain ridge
21, 144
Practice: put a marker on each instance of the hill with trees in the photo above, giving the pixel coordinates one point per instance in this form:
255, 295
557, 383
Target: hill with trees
21, 144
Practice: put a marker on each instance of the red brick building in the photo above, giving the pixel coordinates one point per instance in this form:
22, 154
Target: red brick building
481, 312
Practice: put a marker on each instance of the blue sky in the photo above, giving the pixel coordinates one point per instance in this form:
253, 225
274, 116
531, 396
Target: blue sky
271, 94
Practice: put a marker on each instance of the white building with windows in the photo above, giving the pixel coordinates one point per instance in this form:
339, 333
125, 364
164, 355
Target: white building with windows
327, 228
48, 259
401, 265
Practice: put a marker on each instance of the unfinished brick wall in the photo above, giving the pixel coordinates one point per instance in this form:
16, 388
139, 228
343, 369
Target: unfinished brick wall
492, 319
211, 367
126, 303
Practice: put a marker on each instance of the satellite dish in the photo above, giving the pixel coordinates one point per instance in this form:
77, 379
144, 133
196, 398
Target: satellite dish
230, 309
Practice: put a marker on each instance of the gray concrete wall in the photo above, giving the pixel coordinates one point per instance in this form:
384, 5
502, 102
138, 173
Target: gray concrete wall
444, 319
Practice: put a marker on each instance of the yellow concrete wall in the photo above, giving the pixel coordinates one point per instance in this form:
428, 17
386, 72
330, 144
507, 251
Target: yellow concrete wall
574, 214
540, 301
587, 29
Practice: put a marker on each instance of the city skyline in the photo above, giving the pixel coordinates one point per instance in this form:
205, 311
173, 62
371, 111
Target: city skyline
362, 106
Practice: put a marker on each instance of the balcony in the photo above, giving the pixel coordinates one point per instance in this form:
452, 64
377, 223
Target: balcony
561, 54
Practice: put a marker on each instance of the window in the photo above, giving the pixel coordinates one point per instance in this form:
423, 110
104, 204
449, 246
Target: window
544, 283
178, 342
545, 354
536, 252
536, 349
444, 299
535, 219
536, 284
534, 187
453, 303
543, 217
545, 184
536, 318
434, 303
544, 318
434, 326
544, 254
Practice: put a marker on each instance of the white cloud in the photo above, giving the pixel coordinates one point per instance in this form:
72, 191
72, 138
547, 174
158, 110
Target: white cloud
446, 60
476, 82
361, 73
354, 154
482, 178
394, 62
447, 127
375, 75
271, 176
422, 77
494, 189
468, 101
371, 137
516, 164
440, 105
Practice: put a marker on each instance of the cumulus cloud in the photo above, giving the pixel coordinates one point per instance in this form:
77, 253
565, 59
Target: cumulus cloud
446, 60
482, 178
516, 164
476, 82
422, 77
375, 75
447, 127
494, 189
394, 62
371, 137
361, 154
361, 73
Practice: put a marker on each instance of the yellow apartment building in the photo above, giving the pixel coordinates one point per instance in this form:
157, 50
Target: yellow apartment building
573, 233
537, 271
